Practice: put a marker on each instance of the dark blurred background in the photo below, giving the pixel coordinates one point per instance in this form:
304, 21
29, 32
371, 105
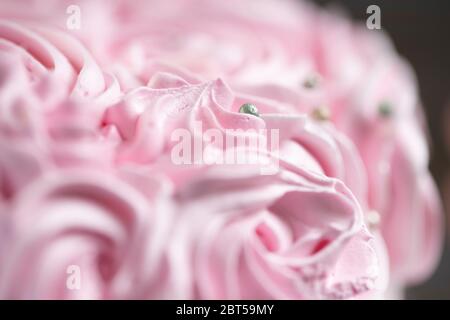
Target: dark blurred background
420, 31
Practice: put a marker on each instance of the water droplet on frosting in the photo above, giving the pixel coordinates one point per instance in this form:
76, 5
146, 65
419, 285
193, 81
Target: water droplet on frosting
385, 109
311, 82
321, 113
373, 219
249, 109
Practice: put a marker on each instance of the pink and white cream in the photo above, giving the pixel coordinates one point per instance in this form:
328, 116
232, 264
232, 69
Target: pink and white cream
87, 178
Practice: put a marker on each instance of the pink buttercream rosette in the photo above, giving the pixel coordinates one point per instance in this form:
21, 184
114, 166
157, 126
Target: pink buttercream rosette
88, 179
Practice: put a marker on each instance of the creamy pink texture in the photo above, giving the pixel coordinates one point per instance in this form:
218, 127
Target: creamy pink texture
355, 74
87, 179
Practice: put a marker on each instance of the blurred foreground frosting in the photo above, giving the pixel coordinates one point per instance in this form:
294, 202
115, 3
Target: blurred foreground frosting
87, 177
